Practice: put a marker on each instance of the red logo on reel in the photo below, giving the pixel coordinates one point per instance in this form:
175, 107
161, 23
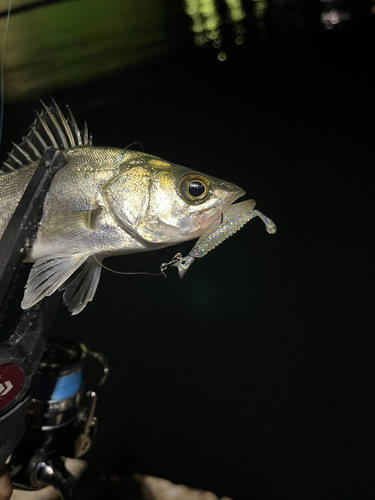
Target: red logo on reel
11, 381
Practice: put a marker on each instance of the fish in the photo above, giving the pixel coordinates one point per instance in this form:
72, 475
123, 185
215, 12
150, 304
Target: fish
105, 201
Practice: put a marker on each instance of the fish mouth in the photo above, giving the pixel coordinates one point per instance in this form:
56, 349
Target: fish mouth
231, 199
222, 207
237, 209
214, 215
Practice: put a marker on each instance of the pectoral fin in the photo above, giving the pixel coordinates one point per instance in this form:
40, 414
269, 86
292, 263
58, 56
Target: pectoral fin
81, 287
48, 274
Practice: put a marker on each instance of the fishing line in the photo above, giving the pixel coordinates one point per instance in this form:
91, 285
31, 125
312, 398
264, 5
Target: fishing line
135, 272
2, 72
132, 144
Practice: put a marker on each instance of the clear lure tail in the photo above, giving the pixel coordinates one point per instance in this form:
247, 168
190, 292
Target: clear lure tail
233, 220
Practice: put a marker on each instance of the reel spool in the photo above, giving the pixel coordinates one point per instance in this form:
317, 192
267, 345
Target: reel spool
57, 386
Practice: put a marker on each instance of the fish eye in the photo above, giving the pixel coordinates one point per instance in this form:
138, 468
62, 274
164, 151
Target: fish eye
194, 187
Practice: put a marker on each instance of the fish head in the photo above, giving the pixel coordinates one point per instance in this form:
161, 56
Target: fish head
162, 202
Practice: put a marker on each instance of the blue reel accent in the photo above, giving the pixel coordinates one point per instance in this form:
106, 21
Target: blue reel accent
67, 386
56, 389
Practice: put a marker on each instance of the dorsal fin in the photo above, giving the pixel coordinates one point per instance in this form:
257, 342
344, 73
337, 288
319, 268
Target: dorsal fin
50, 128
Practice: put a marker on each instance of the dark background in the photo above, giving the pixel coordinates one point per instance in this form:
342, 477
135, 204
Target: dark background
253, 376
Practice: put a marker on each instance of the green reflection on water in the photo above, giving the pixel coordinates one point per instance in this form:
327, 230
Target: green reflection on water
207, 21
68, 43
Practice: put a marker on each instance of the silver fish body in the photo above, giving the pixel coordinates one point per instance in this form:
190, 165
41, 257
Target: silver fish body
104, 201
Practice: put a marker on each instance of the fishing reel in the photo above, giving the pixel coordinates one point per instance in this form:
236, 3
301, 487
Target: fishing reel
60, 420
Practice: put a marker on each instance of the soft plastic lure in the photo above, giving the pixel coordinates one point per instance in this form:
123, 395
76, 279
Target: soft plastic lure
234, 218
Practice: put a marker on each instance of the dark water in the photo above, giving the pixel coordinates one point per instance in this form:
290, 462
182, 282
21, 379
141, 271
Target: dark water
252, 377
